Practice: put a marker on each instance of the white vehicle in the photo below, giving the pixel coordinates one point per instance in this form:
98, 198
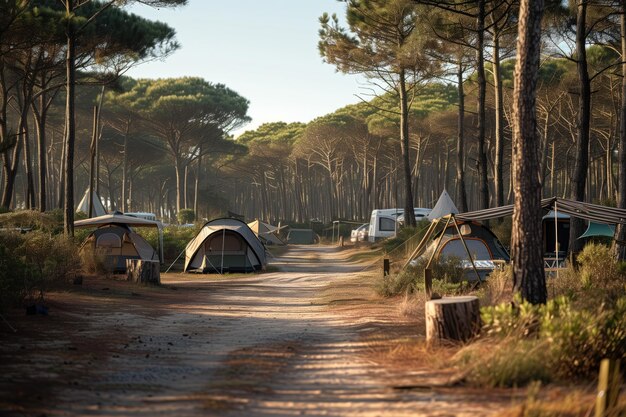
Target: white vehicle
384, 222
358, 234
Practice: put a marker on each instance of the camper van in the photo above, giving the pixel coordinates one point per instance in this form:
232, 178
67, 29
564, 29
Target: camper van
384, 222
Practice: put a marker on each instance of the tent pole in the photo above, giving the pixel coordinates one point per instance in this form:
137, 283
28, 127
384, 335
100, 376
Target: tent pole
422, 243
556, 237
432, 256
161, 244
468, 252
223, 238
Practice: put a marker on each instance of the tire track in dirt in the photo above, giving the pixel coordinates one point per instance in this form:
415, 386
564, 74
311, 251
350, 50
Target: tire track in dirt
261, 345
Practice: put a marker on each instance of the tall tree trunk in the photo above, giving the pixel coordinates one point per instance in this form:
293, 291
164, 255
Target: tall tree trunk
41, 116
92, 160
179, 183
620, 240
482, 94
28, 165
461, 194
409, 214
526, 239
197, 185
499, 104
579, 179
69, 123
125, 172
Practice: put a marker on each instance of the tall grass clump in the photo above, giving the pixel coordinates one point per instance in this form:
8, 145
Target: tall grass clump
447, 277
555, 342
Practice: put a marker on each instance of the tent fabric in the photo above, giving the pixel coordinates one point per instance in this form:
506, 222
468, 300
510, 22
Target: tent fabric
115, 218
267, 233
443, 207
587, 211
598, 229
98, 207
237, 239
302, 237
116, 244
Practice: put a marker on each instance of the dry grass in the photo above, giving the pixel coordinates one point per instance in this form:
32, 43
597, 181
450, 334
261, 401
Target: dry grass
554, 401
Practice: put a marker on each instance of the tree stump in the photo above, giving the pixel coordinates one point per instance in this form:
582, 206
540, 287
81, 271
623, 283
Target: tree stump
143, 271
452, 318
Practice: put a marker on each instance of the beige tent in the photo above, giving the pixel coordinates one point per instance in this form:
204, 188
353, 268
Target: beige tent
267, 233
225, 245
98, 207
116, 242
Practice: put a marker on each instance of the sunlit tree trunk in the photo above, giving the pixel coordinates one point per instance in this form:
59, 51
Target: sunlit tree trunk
526, 238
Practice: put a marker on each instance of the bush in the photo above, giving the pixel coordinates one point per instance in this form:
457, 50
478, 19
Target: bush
31, 263
446, 279
175, 239
186, 216
569, 343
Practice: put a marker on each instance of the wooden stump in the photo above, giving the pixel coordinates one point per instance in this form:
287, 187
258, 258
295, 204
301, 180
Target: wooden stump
142, 271
452, 318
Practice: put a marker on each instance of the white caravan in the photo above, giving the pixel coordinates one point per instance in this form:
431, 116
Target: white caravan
384, 222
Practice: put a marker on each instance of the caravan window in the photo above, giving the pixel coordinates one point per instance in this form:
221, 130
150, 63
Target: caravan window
477, 248
387, 224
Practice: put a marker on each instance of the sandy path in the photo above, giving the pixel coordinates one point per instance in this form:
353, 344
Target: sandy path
259, 345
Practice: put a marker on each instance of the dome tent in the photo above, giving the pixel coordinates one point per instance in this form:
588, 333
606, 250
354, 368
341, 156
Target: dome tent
477, 248
225, 245
116, 241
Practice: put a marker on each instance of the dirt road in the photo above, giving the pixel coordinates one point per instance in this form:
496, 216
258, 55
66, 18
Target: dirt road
261, 345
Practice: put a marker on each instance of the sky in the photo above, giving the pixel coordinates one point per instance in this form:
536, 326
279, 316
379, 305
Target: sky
265, 51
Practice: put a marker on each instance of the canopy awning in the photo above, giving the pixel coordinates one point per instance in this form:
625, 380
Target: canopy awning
115, 219
598, 229
587, 211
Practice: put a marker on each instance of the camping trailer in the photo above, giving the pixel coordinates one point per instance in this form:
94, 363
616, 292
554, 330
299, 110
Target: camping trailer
384, 222
225, 245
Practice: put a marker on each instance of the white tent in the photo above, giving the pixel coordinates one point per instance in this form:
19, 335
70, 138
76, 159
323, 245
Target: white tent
266, 233
125, 222
98, 207
225, 245
444, 206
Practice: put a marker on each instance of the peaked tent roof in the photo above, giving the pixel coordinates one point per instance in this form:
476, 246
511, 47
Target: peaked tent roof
266, 231
587, 211
98, 207
443, 207
115, 219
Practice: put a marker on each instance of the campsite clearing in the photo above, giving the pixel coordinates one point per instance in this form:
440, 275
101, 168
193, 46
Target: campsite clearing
308, 340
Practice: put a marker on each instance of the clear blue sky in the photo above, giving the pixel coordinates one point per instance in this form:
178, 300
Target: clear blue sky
266, 51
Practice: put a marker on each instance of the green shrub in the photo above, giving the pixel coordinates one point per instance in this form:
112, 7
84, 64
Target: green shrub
569, 342
446, 279
580, 339
185, 216
175, 239
32, 263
